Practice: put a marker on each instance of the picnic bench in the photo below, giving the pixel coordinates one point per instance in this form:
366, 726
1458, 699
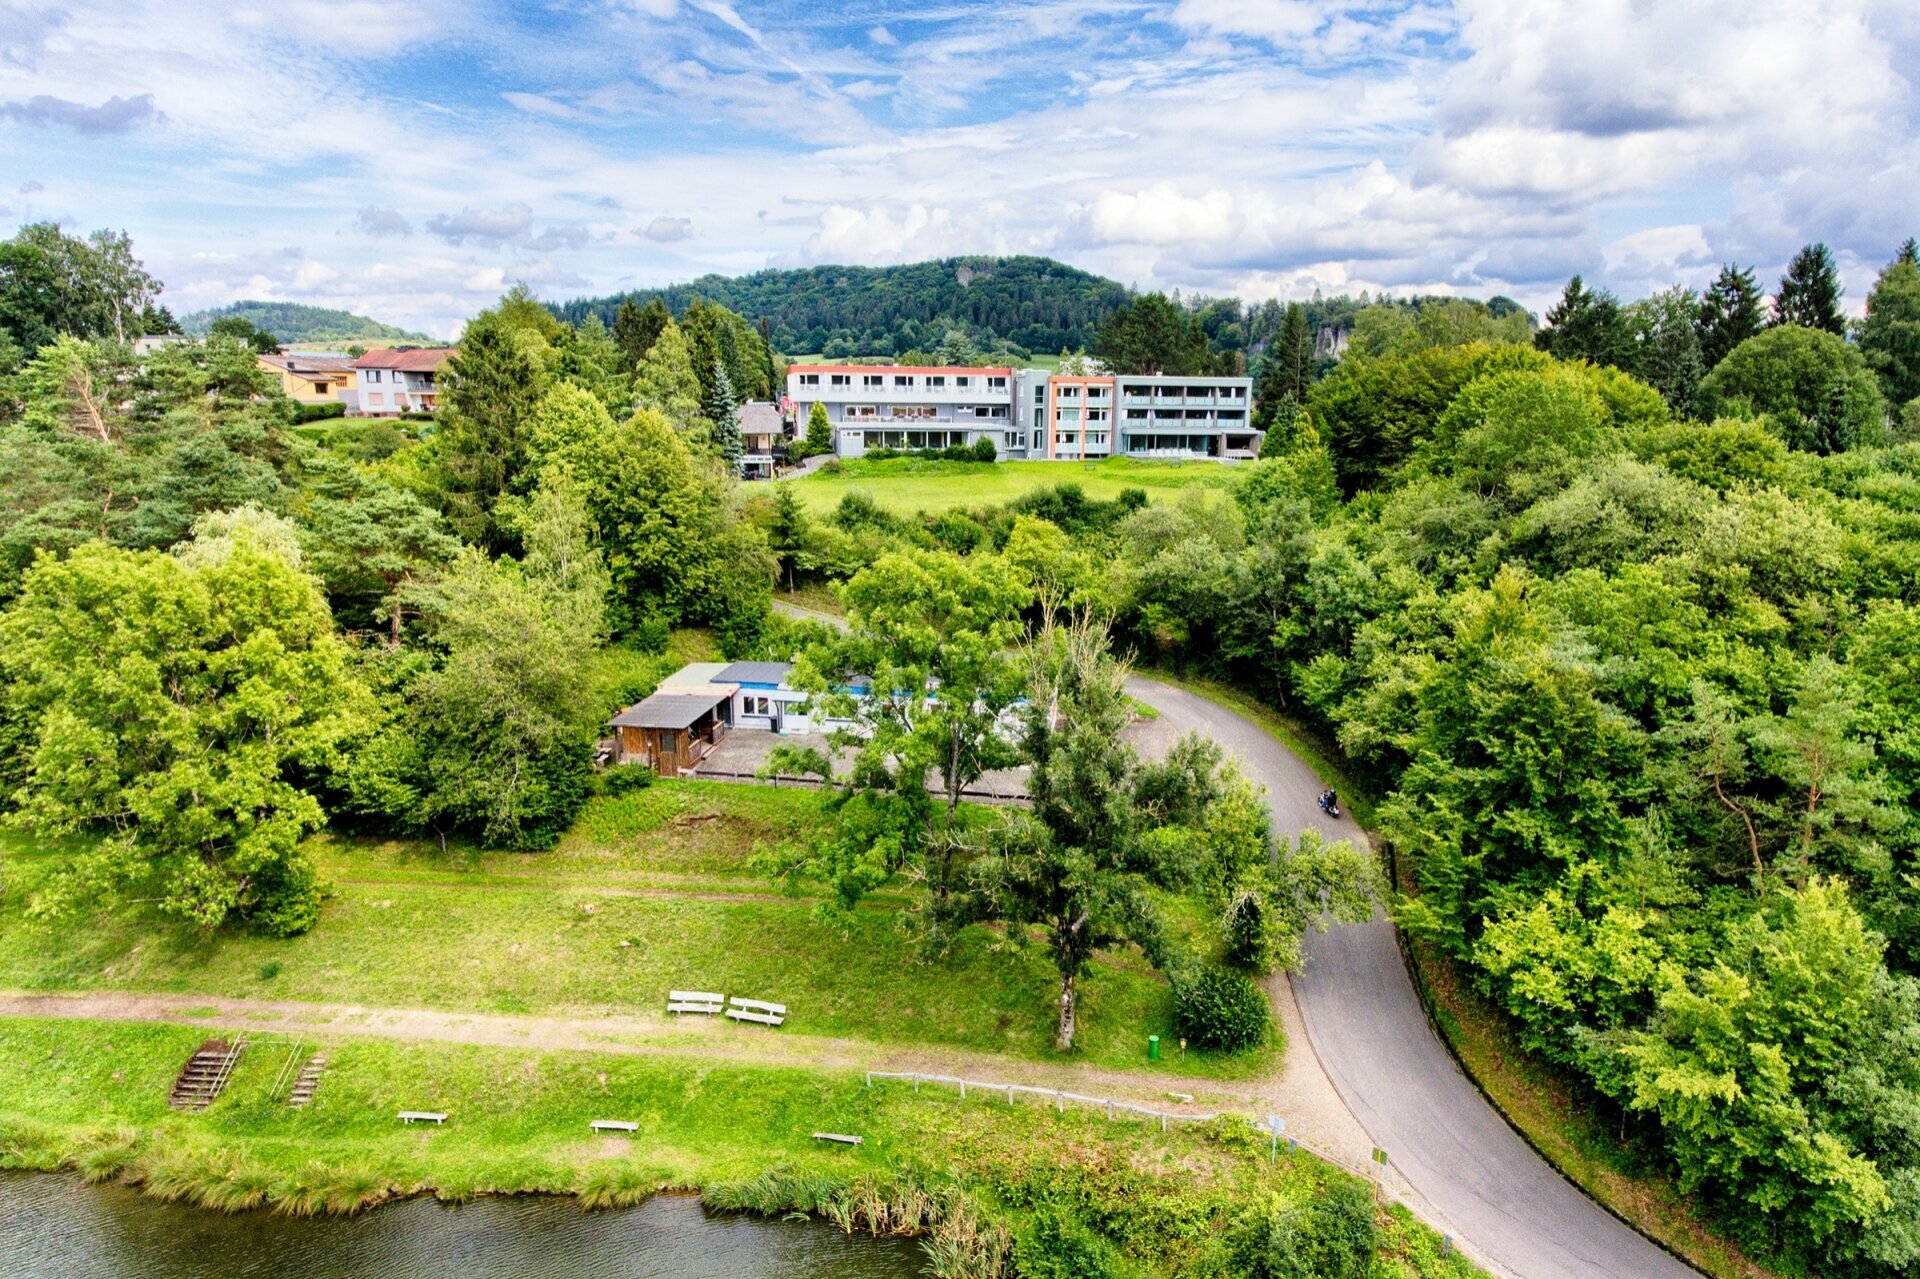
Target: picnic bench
614, 1125
757, 1010
695, 1001
844, 1139
424, 1116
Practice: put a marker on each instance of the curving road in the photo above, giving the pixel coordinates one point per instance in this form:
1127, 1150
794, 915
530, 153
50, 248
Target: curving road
1507, 1206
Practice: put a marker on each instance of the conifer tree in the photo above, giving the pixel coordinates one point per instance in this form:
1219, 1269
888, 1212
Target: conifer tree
819, 431
1890, 336
1730, 313
1586, 324
722, 410
1809, 292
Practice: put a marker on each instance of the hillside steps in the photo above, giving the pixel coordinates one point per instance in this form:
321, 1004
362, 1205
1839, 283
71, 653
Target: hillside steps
205, 1074
307, 1080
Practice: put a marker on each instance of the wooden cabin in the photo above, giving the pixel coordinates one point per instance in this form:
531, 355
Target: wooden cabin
675, 728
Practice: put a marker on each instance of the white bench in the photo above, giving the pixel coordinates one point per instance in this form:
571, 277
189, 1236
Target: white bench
614, 1125
424, 1116
841, 1137
695, 1001
757, 1010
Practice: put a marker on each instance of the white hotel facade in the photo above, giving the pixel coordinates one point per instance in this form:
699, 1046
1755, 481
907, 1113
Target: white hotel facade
1028, 413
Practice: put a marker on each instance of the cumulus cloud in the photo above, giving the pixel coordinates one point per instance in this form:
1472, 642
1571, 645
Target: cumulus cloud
375, 220
510, 224
1161, 214
664, 230
558, 237
880, 35
115, 115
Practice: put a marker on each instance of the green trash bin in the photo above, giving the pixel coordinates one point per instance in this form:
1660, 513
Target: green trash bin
1153, 1048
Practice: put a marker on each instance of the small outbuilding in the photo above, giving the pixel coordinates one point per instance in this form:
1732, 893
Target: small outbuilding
674, 729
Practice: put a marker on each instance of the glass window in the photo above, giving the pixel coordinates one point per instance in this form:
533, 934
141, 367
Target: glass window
809, 379
936, 381
901, 379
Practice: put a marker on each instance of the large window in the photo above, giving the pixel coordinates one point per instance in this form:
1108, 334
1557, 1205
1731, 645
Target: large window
996, 384
809, 379
754, 704
873, 381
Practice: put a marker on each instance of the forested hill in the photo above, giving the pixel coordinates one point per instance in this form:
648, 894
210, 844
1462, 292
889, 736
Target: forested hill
295, 322
1036, 303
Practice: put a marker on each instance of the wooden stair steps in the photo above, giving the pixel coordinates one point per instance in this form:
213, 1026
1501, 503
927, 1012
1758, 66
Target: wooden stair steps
307, 1080
205, 1074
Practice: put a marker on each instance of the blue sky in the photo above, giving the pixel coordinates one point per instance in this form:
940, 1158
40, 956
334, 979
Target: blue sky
411, 158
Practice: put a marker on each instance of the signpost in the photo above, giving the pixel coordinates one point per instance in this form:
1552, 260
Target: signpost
1379, 1172
1276, 1125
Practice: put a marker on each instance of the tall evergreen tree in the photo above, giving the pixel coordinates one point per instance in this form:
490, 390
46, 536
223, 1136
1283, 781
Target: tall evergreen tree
1152, 334
1890, 336
1288, 369
722, 409
1730, 313
1587, 324
1809, 292
635, 329
1666, 339
491, 387
666, 382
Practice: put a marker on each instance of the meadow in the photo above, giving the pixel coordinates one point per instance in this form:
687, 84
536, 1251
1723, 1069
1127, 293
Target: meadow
905, 484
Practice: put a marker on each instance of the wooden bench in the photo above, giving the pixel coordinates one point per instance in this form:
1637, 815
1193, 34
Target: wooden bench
757, 1010
614, 1125
424, 1116
695, 1001
844, 1139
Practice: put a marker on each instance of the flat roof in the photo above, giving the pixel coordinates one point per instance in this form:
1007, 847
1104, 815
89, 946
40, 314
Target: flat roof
755, 673
670, 710
694, 675
994, 370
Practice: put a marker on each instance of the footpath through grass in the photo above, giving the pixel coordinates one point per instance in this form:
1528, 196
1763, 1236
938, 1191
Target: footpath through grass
905, 485
1071, 1189
650, 891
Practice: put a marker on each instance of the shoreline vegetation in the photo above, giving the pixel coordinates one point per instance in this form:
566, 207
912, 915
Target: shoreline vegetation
981, 1181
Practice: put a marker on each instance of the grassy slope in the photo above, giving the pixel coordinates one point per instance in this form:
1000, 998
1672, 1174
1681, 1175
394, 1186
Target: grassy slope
910, 484
409, 927
91, 1096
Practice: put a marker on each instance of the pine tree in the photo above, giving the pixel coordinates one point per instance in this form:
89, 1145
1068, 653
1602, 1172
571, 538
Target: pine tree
722, 409
1586, 324
1810, 292
787, 530
1730, 313
1287, 370
635, 329
1890, 335
666, 381
819, 431
1666, 339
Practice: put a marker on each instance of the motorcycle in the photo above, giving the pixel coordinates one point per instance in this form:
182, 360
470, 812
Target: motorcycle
1329, 803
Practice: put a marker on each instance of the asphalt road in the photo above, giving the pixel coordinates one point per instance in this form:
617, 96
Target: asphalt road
1506, 1205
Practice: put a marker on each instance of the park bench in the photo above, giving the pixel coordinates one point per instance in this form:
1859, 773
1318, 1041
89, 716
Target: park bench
841, 1137
757, 1010
424, 1116
614, 1125
695, 1001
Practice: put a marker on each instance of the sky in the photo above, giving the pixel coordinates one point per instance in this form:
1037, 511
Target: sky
411, 159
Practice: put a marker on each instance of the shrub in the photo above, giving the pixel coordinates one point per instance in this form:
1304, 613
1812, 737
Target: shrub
1335, 1237
624, 779
318, 412
984, 449
1218, 1008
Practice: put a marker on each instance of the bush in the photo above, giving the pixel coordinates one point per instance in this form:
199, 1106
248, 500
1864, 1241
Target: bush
1218, 1008
303, 413
984, 449
1335, 1237
624, 779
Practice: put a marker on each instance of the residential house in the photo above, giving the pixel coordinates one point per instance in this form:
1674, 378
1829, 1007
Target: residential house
400, 379
312, 378
694, 709
763, 438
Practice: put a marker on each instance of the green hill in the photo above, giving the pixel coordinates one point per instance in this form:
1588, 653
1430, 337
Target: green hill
1036, 303
295, 322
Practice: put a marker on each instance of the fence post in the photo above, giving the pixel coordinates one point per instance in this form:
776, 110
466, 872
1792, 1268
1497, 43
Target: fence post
963, 1090
1009, 1094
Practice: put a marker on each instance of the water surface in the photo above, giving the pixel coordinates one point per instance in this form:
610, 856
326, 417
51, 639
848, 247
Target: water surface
57, 1227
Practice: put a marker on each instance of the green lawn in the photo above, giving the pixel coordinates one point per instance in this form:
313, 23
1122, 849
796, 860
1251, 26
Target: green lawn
609, 922
91, 1096
912, 484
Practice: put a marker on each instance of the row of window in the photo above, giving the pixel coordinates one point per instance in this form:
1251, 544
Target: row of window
983, 412
908, 381
399, 378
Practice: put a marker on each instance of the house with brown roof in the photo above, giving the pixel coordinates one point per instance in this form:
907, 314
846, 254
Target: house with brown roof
763, 438
400, 379
312, 378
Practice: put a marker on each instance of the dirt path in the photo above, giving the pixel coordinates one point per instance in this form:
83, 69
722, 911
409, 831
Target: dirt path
712, 1039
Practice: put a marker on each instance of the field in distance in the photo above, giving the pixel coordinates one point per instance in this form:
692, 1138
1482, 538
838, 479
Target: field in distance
907, 484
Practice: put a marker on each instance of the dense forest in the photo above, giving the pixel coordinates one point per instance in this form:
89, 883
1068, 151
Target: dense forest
295, 322
1034, 303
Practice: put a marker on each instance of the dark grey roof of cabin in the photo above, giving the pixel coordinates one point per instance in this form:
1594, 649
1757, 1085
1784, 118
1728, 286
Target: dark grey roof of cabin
754, 673
758, 417
668, 710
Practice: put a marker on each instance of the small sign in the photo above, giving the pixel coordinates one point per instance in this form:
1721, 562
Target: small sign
1276, 1123
1380, 1156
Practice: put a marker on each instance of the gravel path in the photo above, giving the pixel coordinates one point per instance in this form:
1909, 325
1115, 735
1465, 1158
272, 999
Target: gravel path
1465, 1168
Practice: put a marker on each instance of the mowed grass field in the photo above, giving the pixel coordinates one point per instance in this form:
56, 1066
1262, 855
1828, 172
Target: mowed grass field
905, 485
651, 891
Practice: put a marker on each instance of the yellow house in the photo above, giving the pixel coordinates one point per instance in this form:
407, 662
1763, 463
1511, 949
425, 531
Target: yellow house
313, 379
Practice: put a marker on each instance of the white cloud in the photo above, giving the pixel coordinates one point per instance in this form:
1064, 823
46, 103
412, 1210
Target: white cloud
1161, 214
115, 115
880, 35
665, 230
508, 224
374, 220
540, 104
